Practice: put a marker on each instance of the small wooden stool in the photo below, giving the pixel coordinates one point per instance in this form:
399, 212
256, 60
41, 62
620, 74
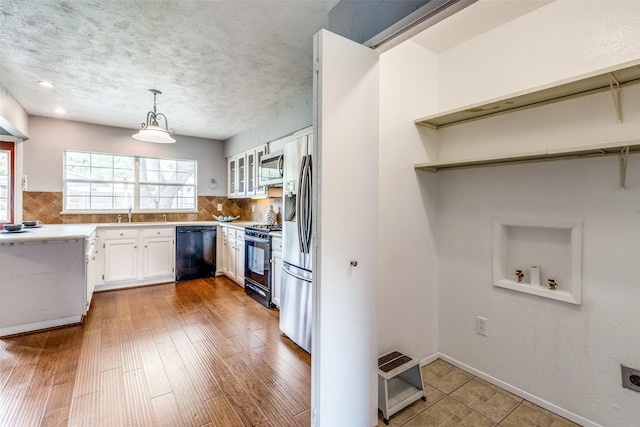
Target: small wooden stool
399, 383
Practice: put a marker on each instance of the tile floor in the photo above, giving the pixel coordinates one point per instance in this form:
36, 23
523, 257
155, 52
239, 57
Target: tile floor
457, 398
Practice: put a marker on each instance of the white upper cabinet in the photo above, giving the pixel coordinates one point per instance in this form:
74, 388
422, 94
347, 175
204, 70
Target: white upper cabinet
232, 172
242, 173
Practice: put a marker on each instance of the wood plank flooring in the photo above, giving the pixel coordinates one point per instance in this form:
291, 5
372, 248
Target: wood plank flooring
195, 353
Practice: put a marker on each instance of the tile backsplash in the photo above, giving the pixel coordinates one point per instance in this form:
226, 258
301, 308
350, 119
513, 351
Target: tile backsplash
46, 206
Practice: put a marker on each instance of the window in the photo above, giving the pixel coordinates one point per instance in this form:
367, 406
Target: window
107, 182
6, 182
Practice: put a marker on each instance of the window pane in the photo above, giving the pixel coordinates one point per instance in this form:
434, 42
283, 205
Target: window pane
75, 158
123, 175
149, 176
167, 171
184, 166
101, 174
78, 172
122, 202
100, 203
168, 165
167, 197
122, 162
102, 160
149, 164
78, 189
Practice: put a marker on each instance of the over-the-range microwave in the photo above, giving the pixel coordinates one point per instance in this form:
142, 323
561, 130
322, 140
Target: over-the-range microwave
271, 170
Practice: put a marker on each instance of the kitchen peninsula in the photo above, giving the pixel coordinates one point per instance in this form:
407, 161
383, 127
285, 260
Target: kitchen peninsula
43, 274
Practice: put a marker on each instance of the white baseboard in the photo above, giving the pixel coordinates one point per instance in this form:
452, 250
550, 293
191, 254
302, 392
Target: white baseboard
429, 359
518, 392
40, 326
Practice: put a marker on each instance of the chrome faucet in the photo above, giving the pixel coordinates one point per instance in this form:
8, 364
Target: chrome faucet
164, 217
129, 215
119, 219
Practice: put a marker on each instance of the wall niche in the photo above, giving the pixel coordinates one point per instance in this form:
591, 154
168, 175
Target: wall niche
554, 249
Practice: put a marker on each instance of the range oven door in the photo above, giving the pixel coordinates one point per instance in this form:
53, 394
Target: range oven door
257, 269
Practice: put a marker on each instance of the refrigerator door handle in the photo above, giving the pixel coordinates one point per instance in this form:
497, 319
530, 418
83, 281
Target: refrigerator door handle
308, 202
300, 205
292, 274
305, 195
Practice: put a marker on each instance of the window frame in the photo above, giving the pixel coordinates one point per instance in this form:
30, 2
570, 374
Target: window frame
136, 187
10, 146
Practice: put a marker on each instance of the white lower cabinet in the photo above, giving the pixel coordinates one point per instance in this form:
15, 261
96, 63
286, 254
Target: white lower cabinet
158, 256
276, 272
232, 253
240, 258
120, 260
232, 256
136, 256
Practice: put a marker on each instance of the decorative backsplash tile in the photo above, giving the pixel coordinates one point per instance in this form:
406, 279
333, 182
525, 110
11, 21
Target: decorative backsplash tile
260, 209
46, 207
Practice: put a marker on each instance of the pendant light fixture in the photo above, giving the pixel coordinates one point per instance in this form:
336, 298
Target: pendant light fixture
151, 131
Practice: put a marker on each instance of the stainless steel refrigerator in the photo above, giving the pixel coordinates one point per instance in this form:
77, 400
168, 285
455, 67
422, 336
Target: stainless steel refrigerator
295, 294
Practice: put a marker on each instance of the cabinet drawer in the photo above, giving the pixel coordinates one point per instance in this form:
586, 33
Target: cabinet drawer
158, 232
276, 245
240, 235
123, 233
231, 232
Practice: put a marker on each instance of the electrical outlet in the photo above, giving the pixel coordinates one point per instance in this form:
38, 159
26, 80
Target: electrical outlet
630, 378
219, 207
253, 208
481, 326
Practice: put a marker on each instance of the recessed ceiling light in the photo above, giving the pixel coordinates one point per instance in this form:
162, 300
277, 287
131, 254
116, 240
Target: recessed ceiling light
45, 83
60, 110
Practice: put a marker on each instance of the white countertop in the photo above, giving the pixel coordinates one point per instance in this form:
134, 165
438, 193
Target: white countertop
50, 232
82, 231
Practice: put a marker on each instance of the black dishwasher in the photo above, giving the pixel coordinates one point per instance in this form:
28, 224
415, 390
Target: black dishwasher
195, 252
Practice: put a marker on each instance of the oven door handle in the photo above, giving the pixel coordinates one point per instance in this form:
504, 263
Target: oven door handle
254, 239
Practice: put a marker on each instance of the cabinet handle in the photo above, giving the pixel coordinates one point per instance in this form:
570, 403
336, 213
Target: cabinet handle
135, 247
121, 234
354, 263
158, 232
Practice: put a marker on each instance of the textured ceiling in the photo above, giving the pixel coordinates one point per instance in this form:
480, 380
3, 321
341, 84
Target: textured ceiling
223, 66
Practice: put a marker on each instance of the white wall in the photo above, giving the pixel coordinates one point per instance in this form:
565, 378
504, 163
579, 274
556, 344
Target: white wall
408, 299
563, 39
296, 116
43, 152
567, 355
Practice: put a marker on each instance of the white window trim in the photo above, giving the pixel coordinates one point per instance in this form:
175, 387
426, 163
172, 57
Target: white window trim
136, 189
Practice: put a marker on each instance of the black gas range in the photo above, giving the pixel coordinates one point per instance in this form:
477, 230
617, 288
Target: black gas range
257, 262
264, 227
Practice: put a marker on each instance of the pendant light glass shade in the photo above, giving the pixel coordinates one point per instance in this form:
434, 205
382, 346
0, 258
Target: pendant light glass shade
151, 131
156, 134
